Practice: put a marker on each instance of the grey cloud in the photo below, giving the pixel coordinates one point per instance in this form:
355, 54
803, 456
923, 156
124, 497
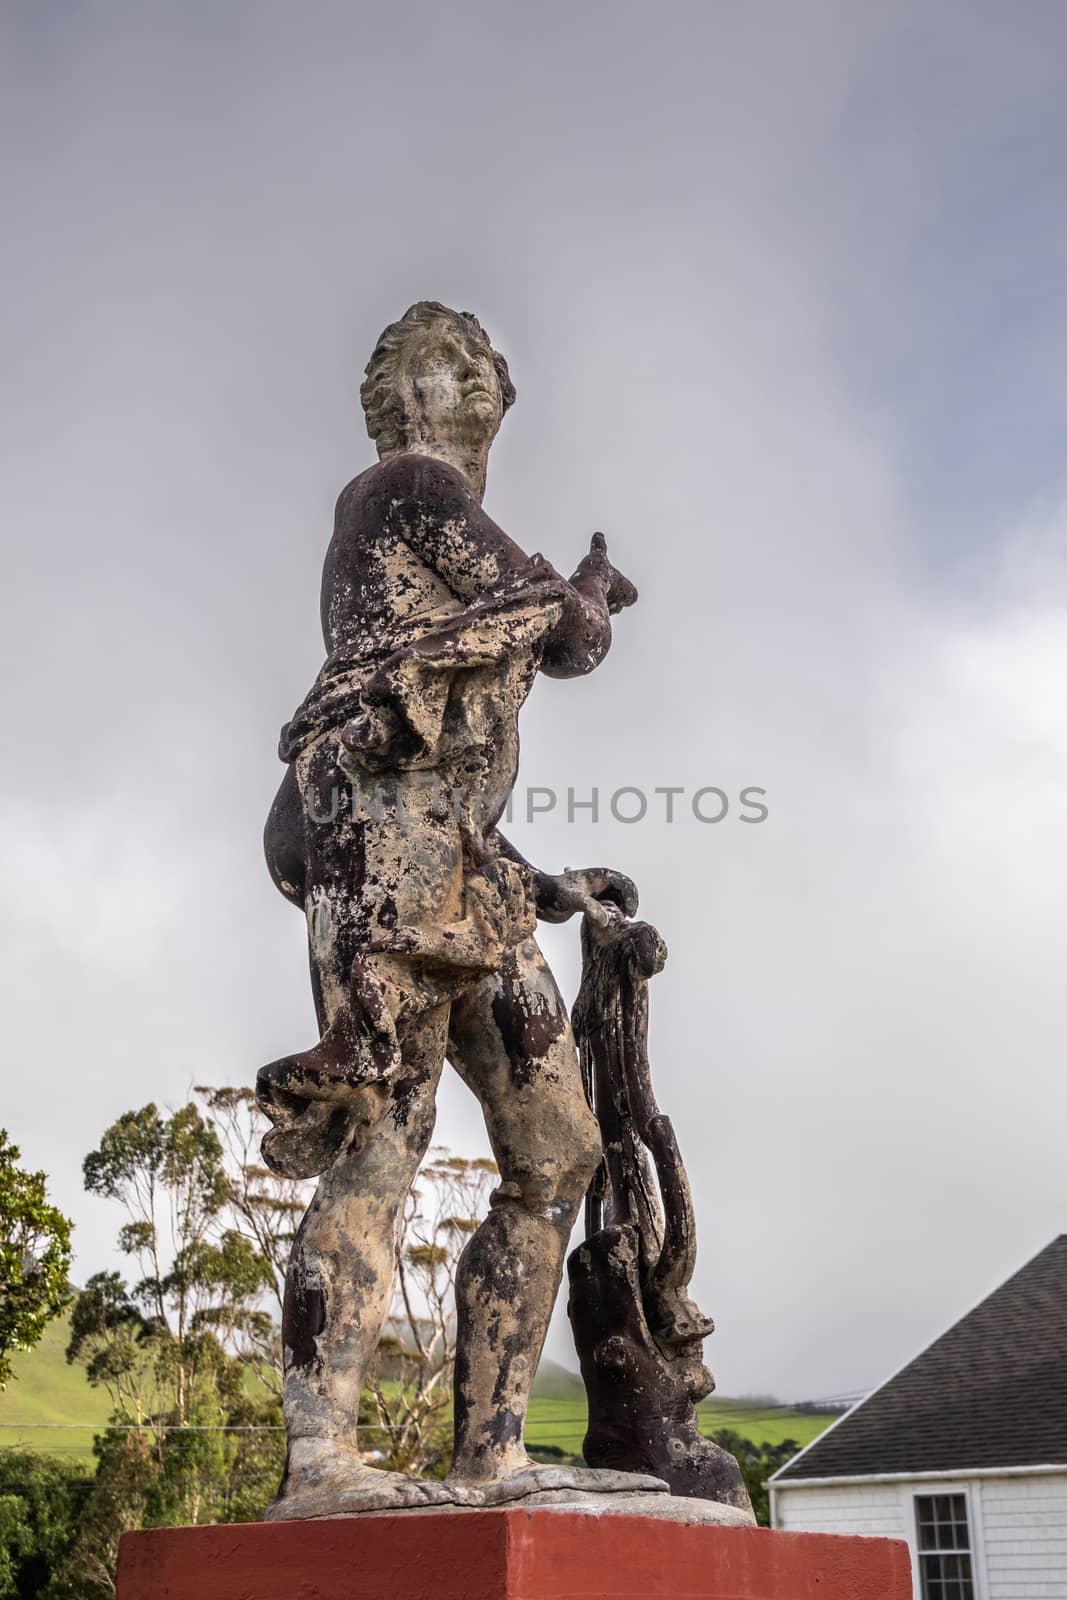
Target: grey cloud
738, 262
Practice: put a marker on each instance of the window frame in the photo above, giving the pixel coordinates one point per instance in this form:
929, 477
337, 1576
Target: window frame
947, 1491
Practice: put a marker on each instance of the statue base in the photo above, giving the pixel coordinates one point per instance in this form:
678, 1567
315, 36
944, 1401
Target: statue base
562, 1552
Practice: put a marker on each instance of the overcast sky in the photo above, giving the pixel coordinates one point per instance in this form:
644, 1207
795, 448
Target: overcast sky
783, 288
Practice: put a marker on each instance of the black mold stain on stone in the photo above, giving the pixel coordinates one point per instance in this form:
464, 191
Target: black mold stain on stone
303, 1319
512, 1345
504, 1428
461, 1372
402, 1095
493, 1265
528, 1025
359, 1273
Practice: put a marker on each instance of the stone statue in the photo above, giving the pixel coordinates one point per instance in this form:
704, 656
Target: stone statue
421, 920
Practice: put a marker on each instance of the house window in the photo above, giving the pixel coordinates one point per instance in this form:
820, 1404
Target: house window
944, 1547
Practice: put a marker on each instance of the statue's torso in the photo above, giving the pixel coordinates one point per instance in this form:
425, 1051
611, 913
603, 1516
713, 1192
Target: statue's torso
371, 578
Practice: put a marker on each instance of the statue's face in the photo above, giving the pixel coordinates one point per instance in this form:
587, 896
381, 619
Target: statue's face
455, 388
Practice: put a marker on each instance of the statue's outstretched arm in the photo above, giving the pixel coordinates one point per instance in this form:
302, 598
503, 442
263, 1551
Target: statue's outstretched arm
433, 508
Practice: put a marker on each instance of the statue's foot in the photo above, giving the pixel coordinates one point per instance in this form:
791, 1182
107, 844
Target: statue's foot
343, 1486
536, 1478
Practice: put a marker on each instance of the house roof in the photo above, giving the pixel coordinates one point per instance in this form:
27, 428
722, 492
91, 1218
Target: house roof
991, 1392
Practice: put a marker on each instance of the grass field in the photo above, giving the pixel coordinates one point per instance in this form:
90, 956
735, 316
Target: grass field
562, 1423
46, 1396
50, 1406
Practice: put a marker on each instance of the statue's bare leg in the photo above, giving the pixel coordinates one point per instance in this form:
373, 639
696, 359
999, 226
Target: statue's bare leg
356, 877
510, 1040
337, 1297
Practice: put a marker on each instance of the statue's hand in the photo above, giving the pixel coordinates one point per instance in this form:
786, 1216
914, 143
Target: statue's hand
595, 568
596, 892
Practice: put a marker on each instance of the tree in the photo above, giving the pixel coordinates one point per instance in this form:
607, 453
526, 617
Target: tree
153, 1343
265, 1207
127, 1465
34, 1257
411, 1382
178, 1346
187, 1344
758, 1462
40, 1497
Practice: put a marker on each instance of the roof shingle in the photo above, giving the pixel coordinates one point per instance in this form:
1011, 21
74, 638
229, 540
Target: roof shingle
991, 1392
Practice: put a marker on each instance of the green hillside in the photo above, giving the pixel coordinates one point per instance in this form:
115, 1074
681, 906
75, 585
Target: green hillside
46, 1396
557, 1415
562, 1422
50, 1406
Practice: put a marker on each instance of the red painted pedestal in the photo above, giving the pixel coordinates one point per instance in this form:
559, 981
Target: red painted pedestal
505, 1555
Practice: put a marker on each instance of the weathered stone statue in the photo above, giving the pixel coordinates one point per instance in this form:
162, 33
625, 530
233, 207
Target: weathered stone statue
421, 923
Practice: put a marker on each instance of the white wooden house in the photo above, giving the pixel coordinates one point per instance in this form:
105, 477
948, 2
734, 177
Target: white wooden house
963, 1453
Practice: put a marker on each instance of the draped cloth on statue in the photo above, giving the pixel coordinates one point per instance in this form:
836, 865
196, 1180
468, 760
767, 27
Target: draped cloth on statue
432, 699
389, 691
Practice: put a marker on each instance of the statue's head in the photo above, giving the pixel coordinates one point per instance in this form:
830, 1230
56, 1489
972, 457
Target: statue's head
435, 376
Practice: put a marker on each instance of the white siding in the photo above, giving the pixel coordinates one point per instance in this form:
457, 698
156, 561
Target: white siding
863, 1508
1018, 1525
1024, 1527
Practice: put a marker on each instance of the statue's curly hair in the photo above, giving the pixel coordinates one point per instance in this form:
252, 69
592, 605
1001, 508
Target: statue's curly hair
387, 422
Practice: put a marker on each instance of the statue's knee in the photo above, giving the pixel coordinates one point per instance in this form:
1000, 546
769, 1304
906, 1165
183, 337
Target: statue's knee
560, 1177
587, 1151
577, 1152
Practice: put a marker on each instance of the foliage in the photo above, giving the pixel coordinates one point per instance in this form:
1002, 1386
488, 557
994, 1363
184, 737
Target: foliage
206, 1232
200, 1472
187, 1346
196, 1236
411, 1384
34, 1257
264, 1208
758, 1462
115, 1504
40, 1498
